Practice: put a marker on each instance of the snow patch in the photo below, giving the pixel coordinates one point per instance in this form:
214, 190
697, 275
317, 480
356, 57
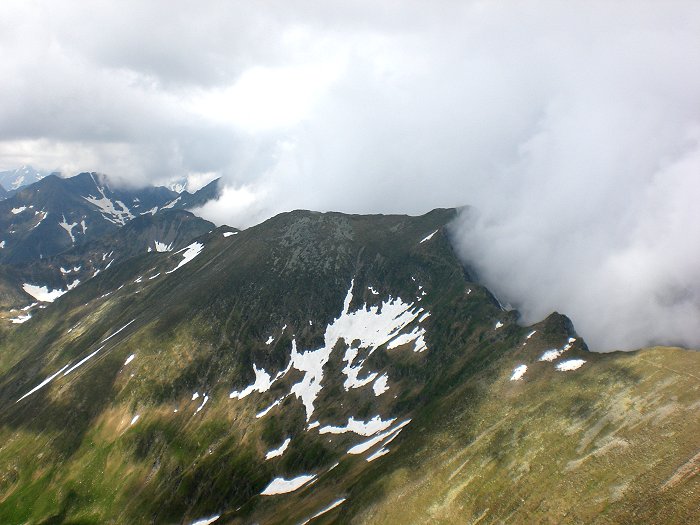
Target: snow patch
311, 363
228, 234
190, 252
69, 228
109, 209
550, 355
518, 372
263, 382
21, 319
378, 454
171, 204
162, 247
82, 361
276, 452
570, 364
362, 428
43, 383
428, 237
553, 354
206, 521
18, 210
380, 385
204, 402
321, 512
284, 486
115, 333
265, 411
367, 328
389, 435
499, 324
416, 336
43, 293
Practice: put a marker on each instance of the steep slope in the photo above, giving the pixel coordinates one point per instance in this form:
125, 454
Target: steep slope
345, 366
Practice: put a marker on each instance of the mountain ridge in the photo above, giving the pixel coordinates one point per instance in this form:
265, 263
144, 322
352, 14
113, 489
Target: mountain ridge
176, 379
12, 180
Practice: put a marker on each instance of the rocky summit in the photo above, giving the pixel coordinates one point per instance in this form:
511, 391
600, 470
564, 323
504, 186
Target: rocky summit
324, 368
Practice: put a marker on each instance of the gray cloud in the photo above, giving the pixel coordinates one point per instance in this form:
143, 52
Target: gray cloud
573, 129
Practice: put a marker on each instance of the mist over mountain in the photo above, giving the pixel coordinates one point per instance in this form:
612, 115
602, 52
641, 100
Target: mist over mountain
573, 129
300, 262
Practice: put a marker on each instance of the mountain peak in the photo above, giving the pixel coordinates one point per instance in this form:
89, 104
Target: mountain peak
19, 177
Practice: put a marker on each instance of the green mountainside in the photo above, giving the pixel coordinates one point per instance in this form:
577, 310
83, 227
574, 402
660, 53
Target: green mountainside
333, 368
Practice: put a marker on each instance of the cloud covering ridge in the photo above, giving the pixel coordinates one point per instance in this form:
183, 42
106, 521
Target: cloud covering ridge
573, 129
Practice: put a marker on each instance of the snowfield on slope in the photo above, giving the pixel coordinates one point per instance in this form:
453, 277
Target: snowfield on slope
276, 452
384, 438
362, 428
285, 486
162, 247
190, 252
428, 237
518, 372
569, 365
372, 326
108, 208
43, 293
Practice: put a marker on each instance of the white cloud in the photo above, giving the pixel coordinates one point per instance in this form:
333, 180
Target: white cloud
241, 205
573, 128
265, 99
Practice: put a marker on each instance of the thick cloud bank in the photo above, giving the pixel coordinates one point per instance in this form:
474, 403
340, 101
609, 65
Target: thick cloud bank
572, 128
618, 255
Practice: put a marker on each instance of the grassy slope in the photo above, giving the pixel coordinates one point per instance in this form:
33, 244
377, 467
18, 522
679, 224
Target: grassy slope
613, 442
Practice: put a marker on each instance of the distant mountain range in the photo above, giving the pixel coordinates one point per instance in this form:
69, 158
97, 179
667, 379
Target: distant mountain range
56, 214
23, 176
59, 232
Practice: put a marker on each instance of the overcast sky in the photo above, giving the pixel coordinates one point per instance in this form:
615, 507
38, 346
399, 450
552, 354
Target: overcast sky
572, 127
